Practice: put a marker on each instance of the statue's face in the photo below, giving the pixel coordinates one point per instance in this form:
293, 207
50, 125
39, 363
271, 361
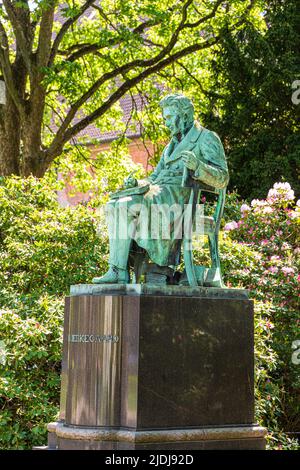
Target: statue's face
172, 119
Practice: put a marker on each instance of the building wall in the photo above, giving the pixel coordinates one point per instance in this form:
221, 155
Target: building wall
138, 152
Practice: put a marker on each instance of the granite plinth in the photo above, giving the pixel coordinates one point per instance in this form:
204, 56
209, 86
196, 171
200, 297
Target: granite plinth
157, 290
157, 364
239, 437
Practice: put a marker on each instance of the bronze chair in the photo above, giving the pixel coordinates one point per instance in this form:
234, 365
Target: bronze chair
197, 275
193, 275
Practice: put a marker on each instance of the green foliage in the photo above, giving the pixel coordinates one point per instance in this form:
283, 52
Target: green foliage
117, 37
267, 235
84, 170
43, 249
242, 89
252, 76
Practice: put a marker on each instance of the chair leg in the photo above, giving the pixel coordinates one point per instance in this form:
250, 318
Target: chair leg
214, 250
138, 266
188, 243
189, 265
215, 256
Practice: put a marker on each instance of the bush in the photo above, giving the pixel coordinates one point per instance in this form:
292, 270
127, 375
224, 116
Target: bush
43, 249
270, 230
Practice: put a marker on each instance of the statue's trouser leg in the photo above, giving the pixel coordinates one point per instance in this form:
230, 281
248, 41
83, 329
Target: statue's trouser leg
122, 217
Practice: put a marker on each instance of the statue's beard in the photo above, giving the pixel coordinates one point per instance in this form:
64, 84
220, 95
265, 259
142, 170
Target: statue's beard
183, 127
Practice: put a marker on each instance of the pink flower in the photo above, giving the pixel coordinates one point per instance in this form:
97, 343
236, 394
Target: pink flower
283, 186
288, 271
231, 226
245, 208
298, 278
258, 203
267, 210
295, 215
272, 194
281, 191
264, 242
273, 269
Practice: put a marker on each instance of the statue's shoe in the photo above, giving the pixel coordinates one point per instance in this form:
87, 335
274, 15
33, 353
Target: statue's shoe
113, 276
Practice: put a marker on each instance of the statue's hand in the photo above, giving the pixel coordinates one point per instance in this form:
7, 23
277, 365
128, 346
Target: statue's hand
130, 182
143, 182
190, 160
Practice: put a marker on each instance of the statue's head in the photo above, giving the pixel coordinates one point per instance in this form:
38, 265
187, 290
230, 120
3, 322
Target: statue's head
178, 113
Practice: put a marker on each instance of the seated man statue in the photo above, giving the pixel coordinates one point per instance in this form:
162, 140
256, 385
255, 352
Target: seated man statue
194, 151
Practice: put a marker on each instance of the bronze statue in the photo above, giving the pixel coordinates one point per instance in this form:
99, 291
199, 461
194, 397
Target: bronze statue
194, 156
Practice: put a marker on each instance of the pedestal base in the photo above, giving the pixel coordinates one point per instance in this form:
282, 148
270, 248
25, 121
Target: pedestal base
214, 438
157, 368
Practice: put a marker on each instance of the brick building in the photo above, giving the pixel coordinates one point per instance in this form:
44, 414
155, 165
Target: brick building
99, 141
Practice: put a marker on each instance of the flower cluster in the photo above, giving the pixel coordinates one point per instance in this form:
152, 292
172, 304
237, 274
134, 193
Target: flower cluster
270, 230
280, 192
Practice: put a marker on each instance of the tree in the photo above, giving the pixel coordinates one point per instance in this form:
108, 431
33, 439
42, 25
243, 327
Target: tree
257, 118
66, 64
247, 88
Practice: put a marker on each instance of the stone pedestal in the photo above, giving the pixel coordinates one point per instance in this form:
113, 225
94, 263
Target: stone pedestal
157, 368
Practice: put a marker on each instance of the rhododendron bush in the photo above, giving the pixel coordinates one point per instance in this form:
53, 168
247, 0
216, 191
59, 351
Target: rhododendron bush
269, 229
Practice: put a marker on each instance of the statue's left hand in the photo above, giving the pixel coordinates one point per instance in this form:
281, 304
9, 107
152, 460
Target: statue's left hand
130, 182
190, 160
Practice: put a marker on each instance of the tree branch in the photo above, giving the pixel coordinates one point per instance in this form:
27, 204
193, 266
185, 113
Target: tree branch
211, 94
154, 65
62, 137
67, 24
23, 43
7, 70
90, 48
45, 35
207, 17
123, 69
104, 16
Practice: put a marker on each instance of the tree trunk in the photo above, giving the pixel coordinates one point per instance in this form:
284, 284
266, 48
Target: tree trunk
32, 151
31, 148
10, 135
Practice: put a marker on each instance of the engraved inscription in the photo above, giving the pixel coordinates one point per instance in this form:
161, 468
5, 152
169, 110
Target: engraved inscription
93, 338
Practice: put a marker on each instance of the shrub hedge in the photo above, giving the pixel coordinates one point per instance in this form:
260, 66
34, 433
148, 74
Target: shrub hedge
44, 248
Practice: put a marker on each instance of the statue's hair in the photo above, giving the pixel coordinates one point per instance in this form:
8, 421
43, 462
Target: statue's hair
180, 102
